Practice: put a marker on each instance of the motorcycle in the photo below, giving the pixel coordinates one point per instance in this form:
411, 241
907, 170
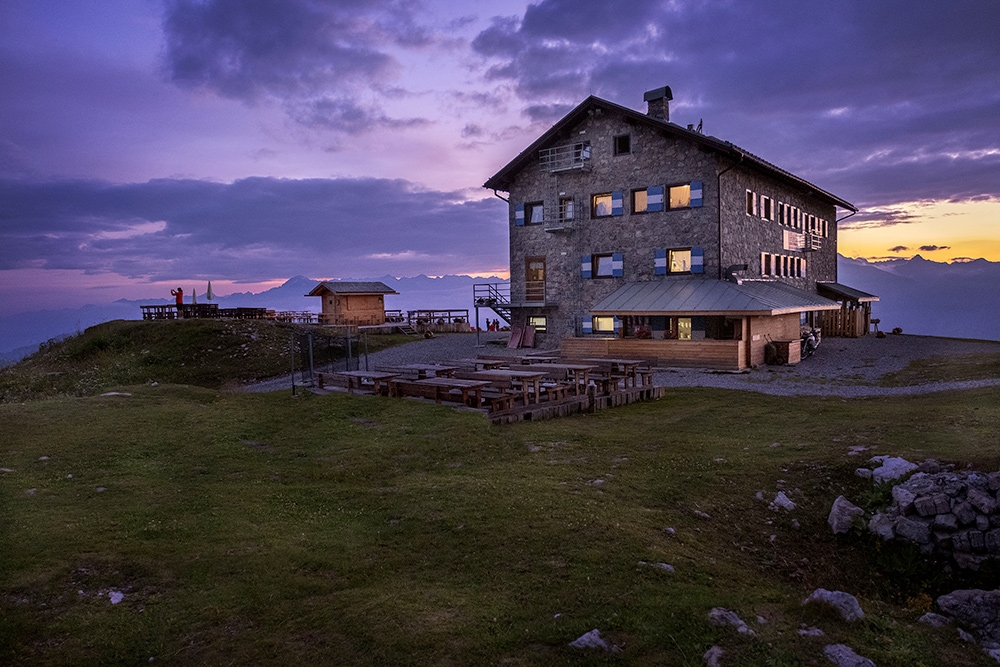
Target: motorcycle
810, 341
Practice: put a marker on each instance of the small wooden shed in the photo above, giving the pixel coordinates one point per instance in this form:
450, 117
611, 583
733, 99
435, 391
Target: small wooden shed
854, 318
352, 303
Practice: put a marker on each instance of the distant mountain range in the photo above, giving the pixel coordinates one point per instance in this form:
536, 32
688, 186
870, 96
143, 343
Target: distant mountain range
959, 300
21, 334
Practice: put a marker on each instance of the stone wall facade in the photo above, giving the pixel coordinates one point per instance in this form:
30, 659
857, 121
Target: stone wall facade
720, 227
745, 236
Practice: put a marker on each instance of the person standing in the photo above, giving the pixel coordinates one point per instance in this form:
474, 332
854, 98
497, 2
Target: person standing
178, 295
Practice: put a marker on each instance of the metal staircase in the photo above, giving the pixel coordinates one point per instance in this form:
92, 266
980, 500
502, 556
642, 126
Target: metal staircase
492, 295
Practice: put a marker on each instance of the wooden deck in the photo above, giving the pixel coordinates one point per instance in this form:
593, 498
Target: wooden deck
201, 311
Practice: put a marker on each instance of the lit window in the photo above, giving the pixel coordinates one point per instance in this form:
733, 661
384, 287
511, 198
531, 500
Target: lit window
623, 144
684, 328
603, 323
537, 321
602, 205
679, 261
680, 196
640, 201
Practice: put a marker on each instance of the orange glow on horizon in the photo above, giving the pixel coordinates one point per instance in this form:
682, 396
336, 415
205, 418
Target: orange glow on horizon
938, 231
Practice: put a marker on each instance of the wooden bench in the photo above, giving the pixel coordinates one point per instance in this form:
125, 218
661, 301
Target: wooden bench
606, 382
556, 391
402, 388
324, 380
498, 401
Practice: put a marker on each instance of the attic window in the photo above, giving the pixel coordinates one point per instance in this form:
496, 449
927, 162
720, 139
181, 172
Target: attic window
623, 144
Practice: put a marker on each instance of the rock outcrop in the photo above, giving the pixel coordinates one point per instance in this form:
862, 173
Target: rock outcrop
953, 515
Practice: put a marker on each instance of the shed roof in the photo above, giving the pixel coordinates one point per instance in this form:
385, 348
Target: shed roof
708, 296
838, 291
337, 287
503, 178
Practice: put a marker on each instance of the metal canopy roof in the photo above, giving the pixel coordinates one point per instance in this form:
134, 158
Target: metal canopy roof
708, 296
335, 287
838, 291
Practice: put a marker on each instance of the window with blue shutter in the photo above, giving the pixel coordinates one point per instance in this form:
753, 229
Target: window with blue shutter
617, 265
588, 324
617, 325
659, 262
519, 215
654, 198
617, 207
697, 260
585, 266
696, 196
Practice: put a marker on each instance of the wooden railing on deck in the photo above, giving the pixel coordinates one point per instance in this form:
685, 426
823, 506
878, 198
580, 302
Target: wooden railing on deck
715, 354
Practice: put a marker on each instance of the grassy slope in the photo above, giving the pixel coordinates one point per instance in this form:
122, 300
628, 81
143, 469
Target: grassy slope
357, 530
270, 530
205, 353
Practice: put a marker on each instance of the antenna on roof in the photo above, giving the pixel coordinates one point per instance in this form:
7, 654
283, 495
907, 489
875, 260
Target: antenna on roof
701, 121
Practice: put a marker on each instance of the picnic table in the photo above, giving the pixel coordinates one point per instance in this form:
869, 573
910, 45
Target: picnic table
580, 372
527, 378
444, 385
376, 378
628, 369
487, 364
430, 370
535, 359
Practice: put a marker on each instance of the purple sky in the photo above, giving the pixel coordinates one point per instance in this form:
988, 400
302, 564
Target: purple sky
147, 143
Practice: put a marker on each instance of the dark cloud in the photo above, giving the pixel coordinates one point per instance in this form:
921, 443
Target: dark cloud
880, 102
252, 229
898, 249
932, 248
878, 217
472, 130
320, 58
346, 114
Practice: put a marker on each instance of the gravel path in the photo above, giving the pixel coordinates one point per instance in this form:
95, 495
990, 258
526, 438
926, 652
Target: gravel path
847, 367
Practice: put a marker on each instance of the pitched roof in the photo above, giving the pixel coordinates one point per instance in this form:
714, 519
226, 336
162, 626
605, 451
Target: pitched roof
503, 178
708, 296
337, 287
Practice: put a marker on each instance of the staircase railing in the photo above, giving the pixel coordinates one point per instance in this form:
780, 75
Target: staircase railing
493, 295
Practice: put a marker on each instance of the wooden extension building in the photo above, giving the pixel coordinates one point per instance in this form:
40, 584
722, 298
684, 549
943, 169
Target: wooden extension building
352, 303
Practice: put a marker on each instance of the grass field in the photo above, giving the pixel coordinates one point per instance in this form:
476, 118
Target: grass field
202, 352
272, 530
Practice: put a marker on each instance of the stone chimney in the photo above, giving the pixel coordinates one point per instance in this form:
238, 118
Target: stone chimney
658, 103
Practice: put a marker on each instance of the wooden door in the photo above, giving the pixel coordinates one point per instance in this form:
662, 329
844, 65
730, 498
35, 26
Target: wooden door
534, 279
